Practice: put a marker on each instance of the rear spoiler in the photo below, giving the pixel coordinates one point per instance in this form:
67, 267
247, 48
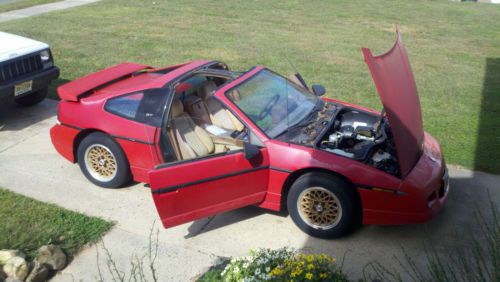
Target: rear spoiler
75, 89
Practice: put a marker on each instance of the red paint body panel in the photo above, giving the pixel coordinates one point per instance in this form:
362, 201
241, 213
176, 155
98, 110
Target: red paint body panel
142, 157
188, 190
396, 86
73, 90
235, 183
413, 205
129, 84
62, 138
274, 189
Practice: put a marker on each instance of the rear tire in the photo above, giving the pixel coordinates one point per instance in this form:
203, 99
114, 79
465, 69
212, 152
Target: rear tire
103, 162
323, 205
32, 98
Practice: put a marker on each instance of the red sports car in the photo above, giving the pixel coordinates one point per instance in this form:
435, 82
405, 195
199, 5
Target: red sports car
208, 140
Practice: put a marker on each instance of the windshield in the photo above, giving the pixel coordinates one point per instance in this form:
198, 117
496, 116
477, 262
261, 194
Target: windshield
272, 102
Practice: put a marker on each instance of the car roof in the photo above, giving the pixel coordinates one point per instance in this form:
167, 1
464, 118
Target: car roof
153, 78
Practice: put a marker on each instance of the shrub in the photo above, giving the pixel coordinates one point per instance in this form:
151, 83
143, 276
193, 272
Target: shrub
281, 265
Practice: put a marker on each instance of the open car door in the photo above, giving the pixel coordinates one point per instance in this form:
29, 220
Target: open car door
192, 189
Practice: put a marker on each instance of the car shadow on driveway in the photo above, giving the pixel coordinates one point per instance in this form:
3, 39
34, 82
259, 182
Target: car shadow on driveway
219, 221
15, 118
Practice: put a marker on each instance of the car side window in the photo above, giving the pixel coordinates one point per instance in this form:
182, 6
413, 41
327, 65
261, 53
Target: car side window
145, 107
125, 106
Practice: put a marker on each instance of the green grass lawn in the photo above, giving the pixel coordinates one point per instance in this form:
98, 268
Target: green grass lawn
21, 4
454, 49
27, 224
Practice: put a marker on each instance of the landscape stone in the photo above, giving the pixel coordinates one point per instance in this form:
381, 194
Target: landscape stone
17, 268
39, 273
52, 256
12, 279
5, 255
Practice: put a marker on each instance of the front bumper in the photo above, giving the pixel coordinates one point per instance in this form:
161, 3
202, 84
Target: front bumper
421, 195
40, 80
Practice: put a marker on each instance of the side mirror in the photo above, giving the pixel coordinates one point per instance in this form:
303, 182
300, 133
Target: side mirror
318, 90
251, 151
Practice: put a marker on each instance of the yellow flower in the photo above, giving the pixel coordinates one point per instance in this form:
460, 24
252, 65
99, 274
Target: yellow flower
277, 271
309, 276
310, 258
323, 275
310, 266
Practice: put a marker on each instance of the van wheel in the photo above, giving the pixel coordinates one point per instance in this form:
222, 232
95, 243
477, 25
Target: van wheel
32, 98
323, 205
103, 162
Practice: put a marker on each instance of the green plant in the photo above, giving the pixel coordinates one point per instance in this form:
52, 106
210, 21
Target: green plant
26, 224
278, 265
304, 267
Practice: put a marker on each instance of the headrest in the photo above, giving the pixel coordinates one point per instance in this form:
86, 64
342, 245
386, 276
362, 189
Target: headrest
190, 100
177, 109
206, 89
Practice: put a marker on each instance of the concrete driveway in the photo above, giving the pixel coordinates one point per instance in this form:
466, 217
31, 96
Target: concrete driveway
40, 9
30, 166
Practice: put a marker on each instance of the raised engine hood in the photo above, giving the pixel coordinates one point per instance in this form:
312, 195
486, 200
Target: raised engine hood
396, 87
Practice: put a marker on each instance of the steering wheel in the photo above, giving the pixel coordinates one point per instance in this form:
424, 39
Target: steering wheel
269, 106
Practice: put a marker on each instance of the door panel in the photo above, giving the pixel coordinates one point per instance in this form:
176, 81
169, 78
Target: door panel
195, 189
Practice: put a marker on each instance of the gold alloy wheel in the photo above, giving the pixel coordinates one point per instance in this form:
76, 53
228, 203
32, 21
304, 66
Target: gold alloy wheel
100, 162
319, 208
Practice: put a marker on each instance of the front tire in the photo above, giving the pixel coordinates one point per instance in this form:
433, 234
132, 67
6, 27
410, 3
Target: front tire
32, 98
103, 162
323, 205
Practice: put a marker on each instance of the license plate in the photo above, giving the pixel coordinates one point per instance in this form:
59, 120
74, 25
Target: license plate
22, 88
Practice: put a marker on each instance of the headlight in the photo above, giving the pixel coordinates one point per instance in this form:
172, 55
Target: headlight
46, 59
45, 56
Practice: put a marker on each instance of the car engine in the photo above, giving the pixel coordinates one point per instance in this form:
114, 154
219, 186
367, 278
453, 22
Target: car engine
364, 137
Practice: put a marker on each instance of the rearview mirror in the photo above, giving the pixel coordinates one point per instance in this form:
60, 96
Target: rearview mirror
251, 151
318, 89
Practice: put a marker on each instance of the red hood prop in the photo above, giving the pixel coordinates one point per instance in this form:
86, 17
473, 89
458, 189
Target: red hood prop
396, 87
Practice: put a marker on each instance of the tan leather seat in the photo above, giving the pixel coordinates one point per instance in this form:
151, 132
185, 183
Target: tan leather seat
197, 109
219, 115
192, 140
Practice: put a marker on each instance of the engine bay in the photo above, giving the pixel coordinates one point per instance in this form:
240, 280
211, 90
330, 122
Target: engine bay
361, 136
